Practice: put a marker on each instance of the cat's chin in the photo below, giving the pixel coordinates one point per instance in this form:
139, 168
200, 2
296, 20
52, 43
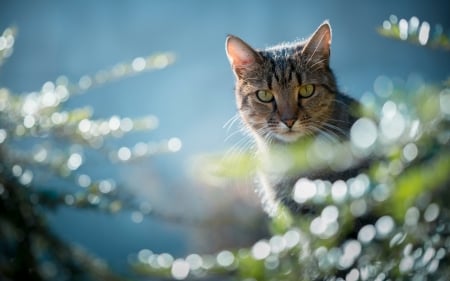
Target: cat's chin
288, 137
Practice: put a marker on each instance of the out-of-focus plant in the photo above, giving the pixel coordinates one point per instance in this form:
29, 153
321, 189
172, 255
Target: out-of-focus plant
43, 148
390, 222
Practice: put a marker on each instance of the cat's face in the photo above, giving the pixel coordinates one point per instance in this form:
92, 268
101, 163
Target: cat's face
284, 92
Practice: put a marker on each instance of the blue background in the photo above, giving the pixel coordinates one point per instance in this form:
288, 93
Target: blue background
193, 98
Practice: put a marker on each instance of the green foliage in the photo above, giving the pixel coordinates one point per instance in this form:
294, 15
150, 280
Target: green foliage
390, 222
416, 32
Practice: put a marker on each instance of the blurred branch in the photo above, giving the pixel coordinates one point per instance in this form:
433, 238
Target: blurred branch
416, 32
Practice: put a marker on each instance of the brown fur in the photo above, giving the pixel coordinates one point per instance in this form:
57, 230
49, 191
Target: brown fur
282, 70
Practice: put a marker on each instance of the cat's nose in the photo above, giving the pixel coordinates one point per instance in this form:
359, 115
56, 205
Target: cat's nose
289, 122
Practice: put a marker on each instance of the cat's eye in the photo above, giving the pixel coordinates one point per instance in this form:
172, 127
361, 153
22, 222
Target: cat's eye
264, 96
305, 91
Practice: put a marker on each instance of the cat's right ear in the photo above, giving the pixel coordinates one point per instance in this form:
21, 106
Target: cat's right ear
241, 56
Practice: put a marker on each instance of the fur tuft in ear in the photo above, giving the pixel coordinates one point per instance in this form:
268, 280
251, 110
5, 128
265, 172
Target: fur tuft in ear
318, 45
240, 55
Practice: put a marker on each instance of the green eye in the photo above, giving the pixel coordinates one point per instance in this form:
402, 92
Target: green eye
264, 96
305, 91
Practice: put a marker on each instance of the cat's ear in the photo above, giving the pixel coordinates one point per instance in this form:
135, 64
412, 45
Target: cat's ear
241, 56
318, 45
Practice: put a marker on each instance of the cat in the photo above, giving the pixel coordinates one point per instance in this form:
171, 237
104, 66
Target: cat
283, 94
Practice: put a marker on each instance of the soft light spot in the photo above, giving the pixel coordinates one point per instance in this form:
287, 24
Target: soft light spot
105, 186
339, 191
137, 217
363, 133
261, 250
126, 125
3, 135
317, 226
180, 269
17, 170
174, 144
74, 162
195, 261
29, 121
410, 152
424, 33
292, 238
225, 258
412, 216
393, 19
413, 25
84, 126
366, 234
403, 29
304, 190
358, 207
69, 199
124, 154
84, 180
114, 123
165, 260
144, 255
406, 264
393, 127
330, 214
160, 61
140, 149
351, 251
384, 225
26, 177
353, 275
444, 101
428, 255
387, 25
431, 212
277, 244
138, 64
383, 86
85, 82
40, 155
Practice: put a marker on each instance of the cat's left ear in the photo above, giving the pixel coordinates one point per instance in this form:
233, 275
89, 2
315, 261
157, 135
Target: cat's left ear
318, 45
241, 56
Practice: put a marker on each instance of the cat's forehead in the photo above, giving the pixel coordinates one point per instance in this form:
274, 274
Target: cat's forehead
283, 50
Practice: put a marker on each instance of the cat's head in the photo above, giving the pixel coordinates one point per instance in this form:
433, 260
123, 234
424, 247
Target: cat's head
287, 91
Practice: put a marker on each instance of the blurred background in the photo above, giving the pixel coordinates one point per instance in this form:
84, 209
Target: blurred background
191, 99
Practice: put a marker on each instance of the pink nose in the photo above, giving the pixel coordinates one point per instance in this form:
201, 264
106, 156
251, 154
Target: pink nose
289, 122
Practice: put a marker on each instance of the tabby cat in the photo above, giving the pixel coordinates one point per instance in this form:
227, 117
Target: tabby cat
284, 93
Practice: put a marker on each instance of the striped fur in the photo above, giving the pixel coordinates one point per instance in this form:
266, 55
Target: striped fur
282, 70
